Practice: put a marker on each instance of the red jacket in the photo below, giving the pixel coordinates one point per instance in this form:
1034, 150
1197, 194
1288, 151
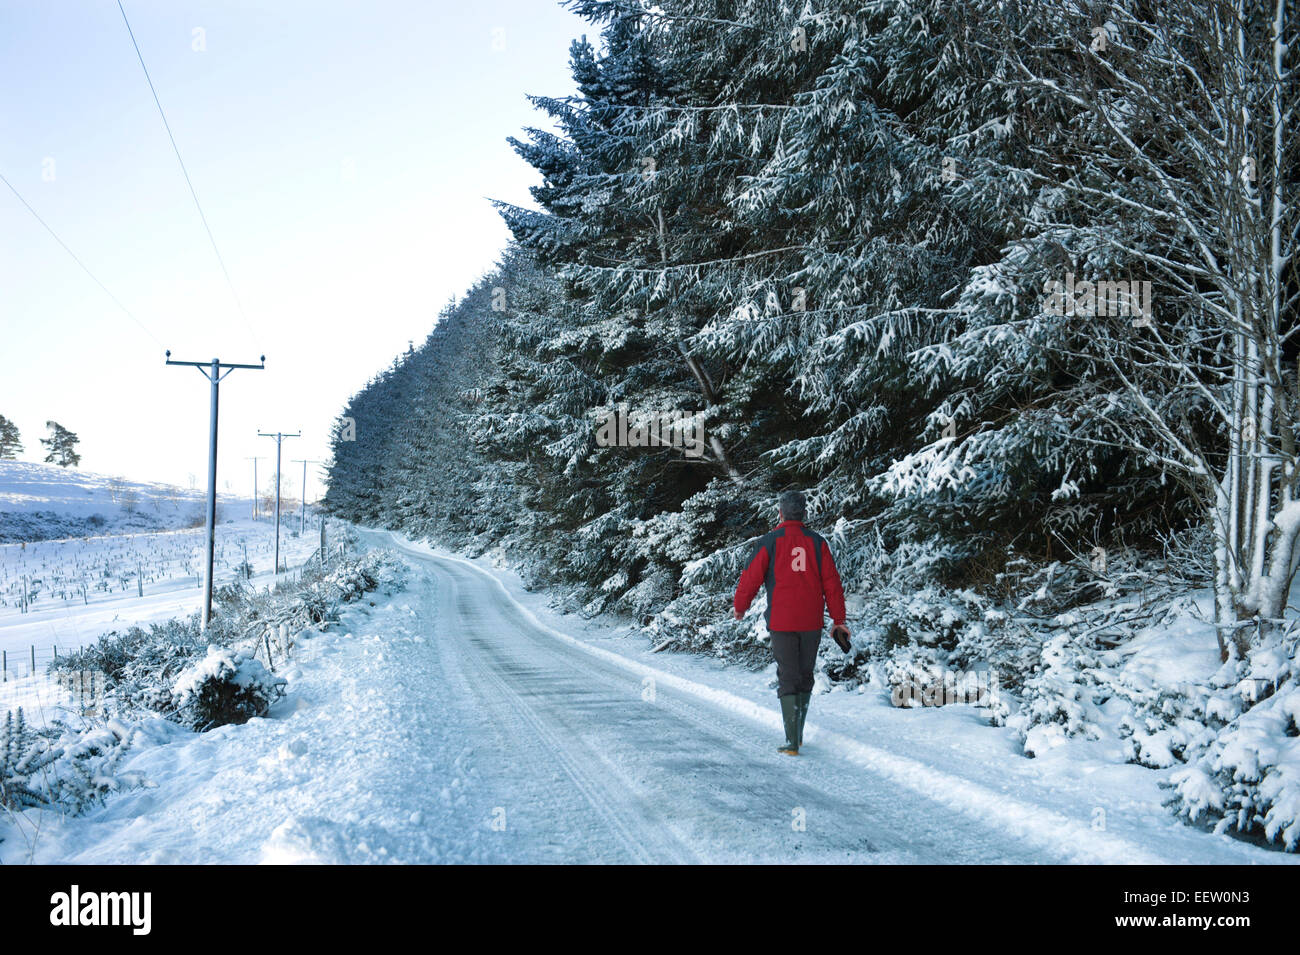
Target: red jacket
796, 567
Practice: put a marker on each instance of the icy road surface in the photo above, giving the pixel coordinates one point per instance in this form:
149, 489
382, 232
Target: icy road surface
452, 723
587, 769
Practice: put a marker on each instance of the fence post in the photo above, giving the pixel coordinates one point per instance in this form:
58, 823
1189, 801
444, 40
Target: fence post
4, 666
33, 670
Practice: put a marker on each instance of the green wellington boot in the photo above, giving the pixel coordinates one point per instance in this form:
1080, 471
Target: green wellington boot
801, 702
790, 716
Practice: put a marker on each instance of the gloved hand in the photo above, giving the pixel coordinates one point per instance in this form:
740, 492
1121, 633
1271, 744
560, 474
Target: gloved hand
840, 634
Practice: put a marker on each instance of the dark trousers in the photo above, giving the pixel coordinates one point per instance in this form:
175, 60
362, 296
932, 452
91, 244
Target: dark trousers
796, 658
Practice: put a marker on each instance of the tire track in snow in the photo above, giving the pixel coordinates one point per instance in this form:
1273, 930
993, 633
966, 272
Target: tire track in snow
641, 832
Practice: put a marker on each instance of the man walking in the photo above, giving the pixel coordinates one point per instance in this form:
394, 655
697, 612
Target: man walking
795, 566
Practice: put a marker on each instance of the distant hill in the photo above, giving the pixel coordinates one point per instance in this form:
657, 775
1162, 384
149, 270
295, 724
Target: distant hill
45, 502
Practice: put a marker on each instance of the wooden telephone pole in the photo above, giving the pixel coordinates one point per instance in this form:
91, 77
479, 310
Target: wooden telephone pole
215, 371
302, 523
255, 491
279, 440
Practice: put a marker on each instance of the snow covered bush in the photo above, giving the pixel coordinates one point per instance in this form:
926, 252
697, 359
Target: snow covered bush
140, 663
62, 767
25, 752
929, 617
225, 686
316, 597
1057, 700
311, 599
1167, 723
1247, 779
647, 595
692, 623
912, 675
89, 767
350, 579
918, 623
1053, 635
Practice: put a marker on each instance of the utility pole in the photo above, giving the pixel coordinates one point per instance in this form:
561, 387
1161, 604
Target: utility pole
215, 371
302, 524
279, 440
254, 460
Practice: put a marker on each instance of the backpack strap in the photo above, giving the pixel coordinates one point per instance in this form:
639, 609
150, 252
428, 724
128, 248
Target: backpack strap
817, 540
769, 541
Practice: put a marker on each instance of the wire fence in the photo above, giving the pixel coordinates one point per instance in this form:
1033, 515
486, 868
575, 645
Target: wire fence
44, 696
19, 663
26, 682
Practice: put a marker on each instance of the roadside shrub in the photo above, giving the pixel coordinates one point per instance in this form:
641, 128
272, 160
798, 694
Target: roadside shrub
58, 766
1247, 779
1059, 699
225, 686
25, 752
140, 663
143, 666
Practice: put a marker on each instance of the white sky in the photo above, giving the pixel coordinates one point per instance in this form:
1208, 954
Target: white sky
344, 153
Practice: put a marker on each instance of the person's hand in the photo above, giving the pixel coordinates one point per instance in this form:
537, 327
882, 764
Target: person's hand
840, 634
739, 615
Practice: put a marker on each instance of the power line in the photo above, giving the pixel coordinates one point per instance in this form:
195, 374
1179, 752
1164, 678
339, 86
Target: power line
55, 235
184, 171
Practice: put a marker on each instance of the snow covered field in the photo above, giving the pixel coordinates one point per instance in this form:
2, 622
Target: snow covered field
80, 588
461, 720
45, 502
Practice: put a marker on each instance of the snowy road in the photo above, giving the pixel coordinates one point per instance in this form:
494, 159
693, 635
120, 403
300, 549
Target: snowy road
587, 769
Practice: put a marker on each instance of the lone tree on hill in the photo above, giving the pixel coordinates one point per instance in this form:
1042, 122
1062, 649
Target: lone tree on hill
10, 442
61, 444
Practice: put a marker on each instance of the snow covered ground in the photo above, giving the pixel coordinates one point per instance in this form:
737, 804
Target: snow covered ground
80, 588
45, 502
461, 720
